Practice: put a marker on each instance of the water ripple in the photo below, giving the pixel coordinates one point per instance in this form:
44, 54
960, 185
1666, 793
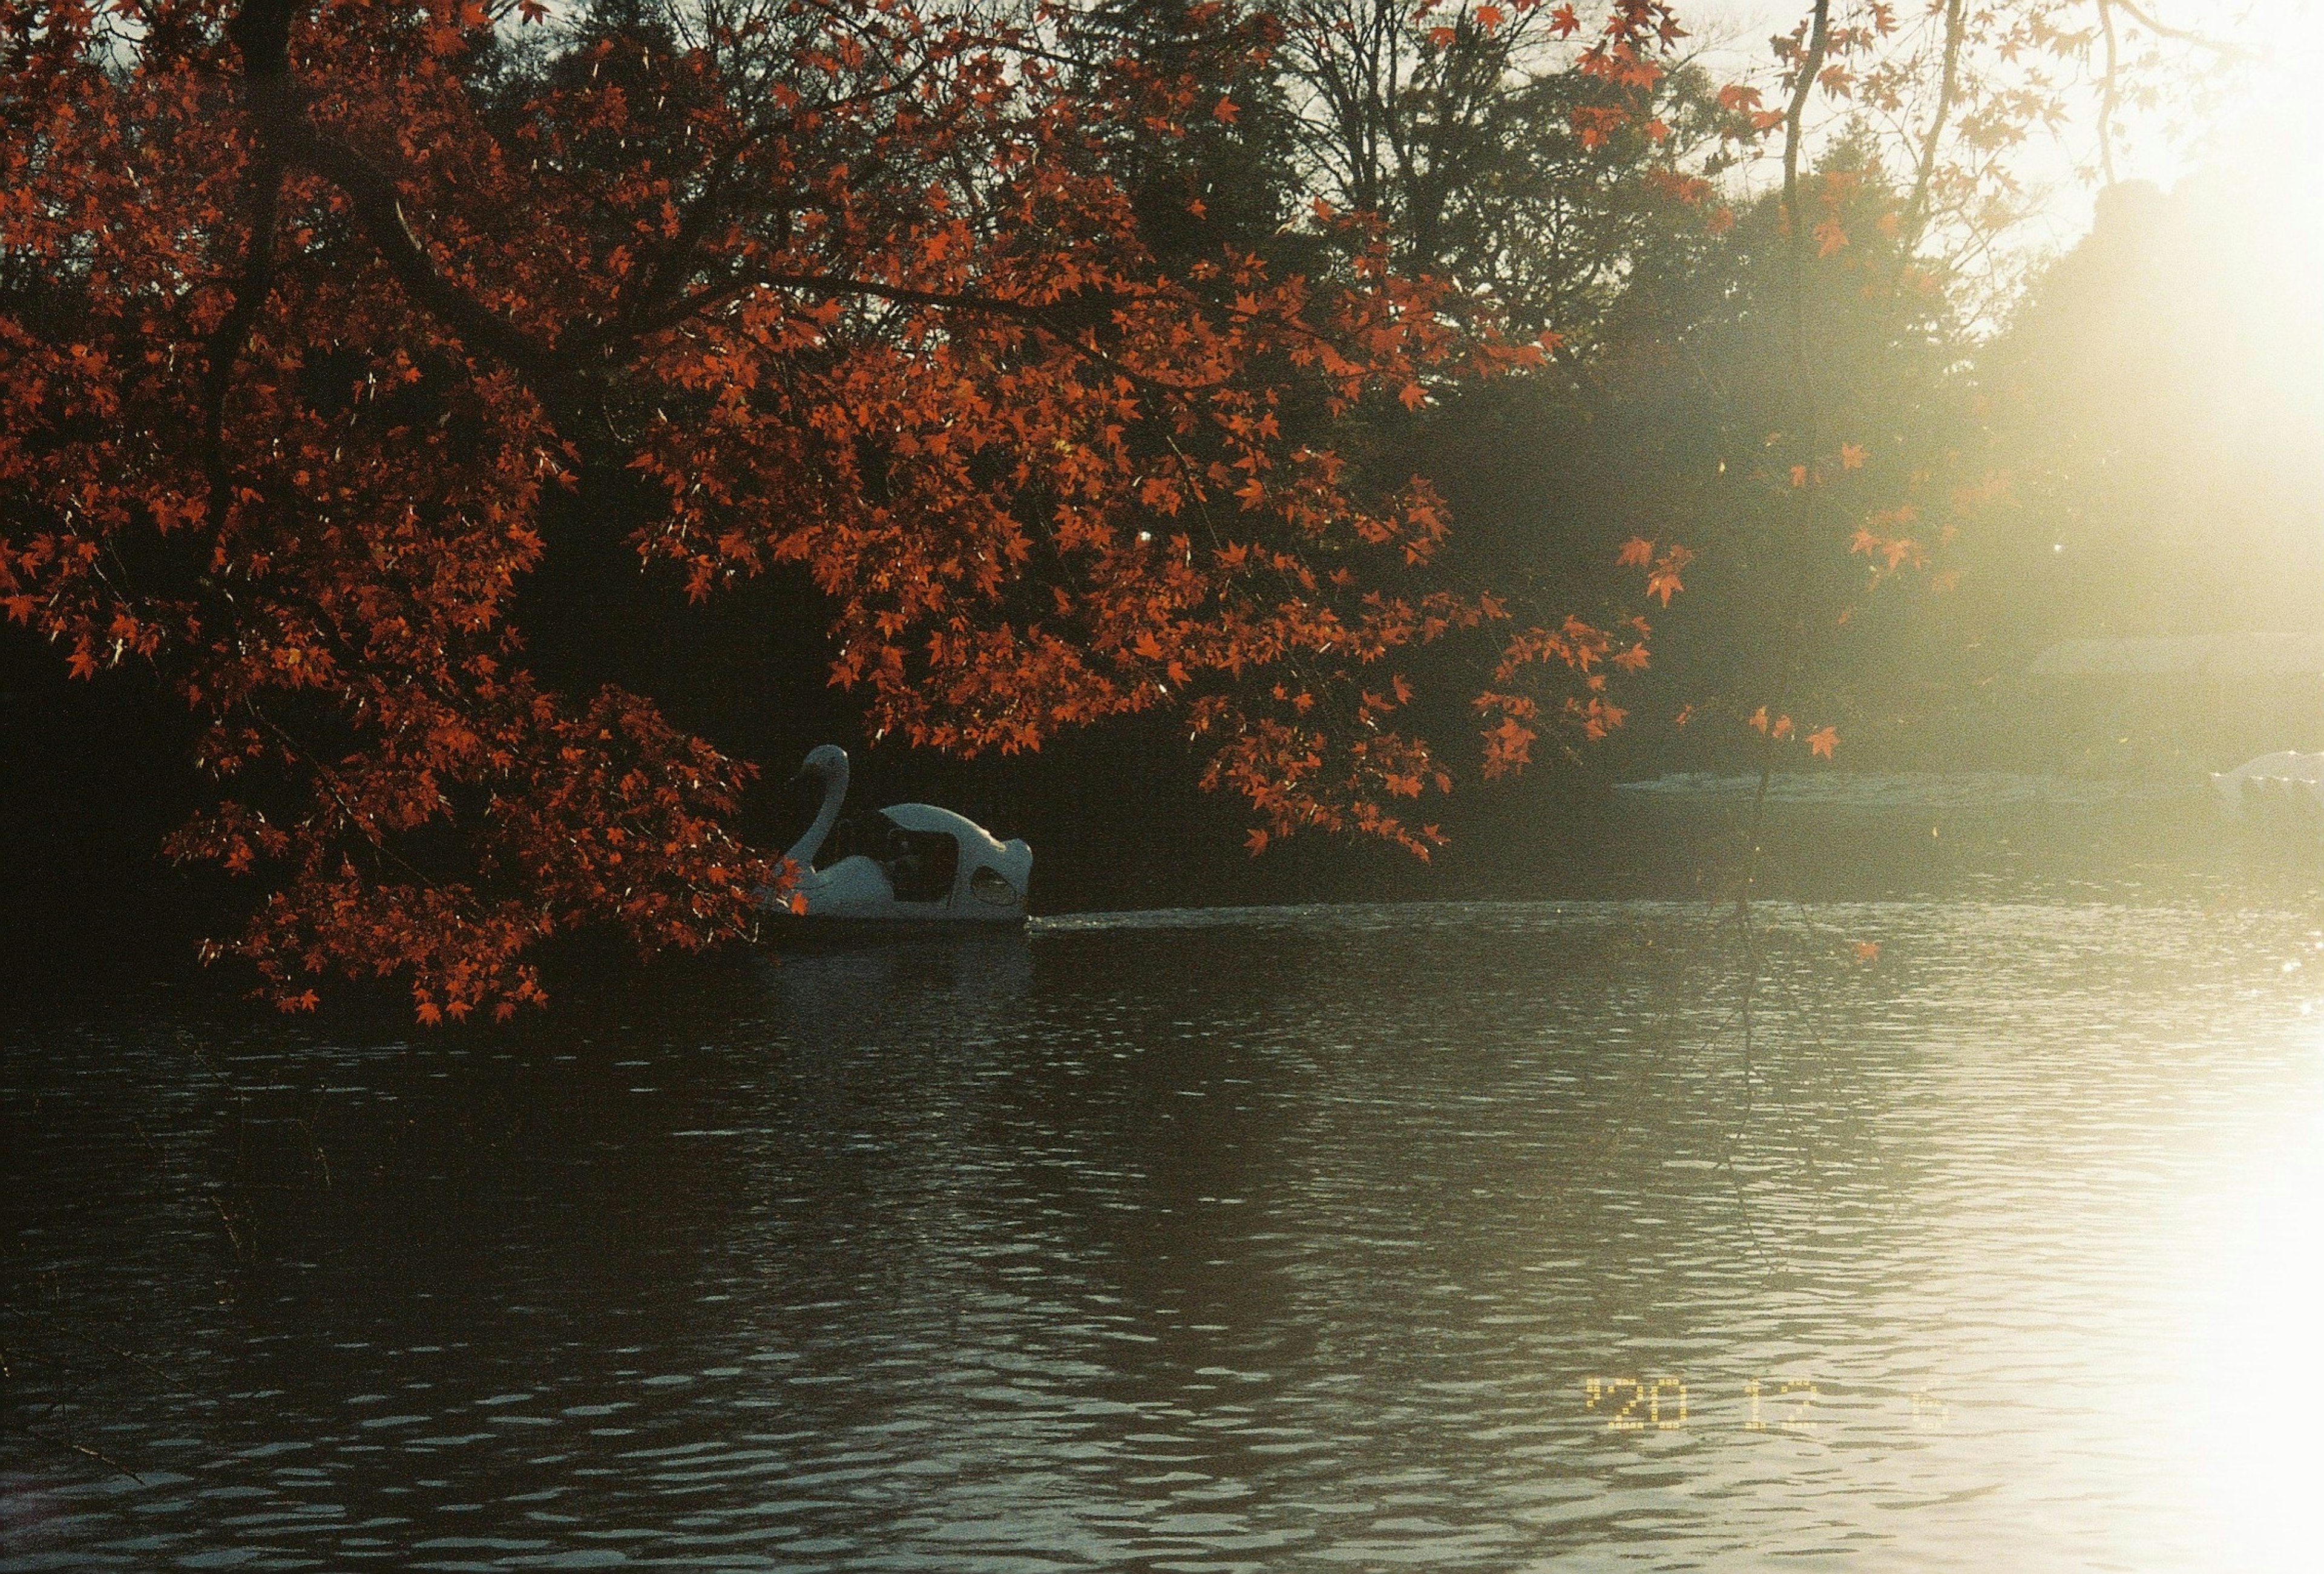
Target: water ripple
1459, 1237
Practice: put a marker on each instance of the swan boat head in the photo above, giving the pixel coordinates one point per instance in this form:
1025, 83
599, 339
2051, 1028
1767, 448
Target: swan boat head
911, 866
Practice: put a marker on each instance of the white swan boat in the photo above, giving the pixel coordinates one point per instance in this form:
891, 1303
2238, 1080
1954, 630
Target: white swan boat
910, 868
2285, 789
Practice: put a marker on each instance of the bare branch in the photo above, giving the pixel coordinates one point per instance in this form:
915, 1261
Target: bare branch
2182, 35
2107, 90
1916, 211
1811, 63
107, 1460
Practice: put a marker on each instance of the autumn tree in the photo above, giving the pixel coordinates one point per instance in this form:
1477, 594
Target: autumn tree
1072, 363
329, 326
1789, 362
1489, 137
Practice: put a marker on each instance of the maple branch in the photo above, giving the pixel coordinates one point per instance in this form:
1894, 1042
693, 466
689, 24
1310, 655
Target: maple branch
1043, 319
1052, 320
903, 295
368, 824
665, 279
278, 109
1811, 62
2216, 46
710, 297
223, 347
2106, 94
1917, 210
674, 266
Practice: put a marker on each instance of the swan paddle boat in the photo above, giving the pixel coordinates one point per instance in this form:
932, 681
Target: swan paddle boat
2280, 790
908, 869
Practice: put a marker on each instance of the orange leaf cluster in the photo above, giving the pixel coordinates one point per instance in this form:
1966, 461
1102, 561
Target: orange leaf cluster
1889, 553
1778, 729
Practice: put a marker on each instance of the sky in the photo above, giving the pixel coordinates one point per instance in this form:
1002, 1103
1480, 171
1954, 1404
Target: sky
2280, 110
2275, 120
2273, 117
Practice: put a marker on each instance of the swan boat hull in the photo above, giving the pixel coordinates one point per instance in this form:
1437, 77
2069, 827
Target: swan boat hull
931, 871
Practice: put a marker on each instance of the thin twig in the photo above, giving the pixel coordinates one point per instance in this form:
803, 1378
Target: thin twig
55, 1325
2180, 34
1794, 116
107, 1460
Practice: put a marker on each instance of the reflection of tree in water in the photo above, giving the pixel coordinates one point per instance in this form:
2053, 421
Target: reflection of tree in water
960, 989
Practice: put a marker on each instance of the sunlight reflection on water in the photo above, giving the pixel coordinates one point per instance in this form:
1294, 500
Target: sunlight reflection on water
2256, 1398
1465, 1235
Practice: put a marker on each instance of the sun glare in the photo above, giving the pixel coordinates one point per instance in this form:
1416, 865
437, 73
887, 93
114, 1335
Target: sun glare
2271, 137
2254, 186
2255, 1390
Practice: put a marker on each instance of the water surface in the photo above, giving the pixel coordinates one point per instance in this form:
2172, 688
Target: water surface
1322, 1238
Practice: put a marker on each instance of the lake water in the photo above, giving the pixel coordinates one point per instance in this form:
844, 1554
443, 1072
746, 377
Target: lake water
1463, 1236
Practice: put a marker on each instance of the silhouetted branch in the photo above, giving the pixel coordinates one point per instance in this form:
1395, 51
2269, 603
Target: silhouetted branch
2107, 91
223, 347
1794, 116
1811, 63
1916, 211
278, 110
2182, 35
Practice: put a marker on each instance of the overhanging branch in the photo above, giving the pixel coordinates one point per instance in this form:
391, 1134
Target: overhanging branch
277, 111
2183, 35
223, 347
1795, 112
